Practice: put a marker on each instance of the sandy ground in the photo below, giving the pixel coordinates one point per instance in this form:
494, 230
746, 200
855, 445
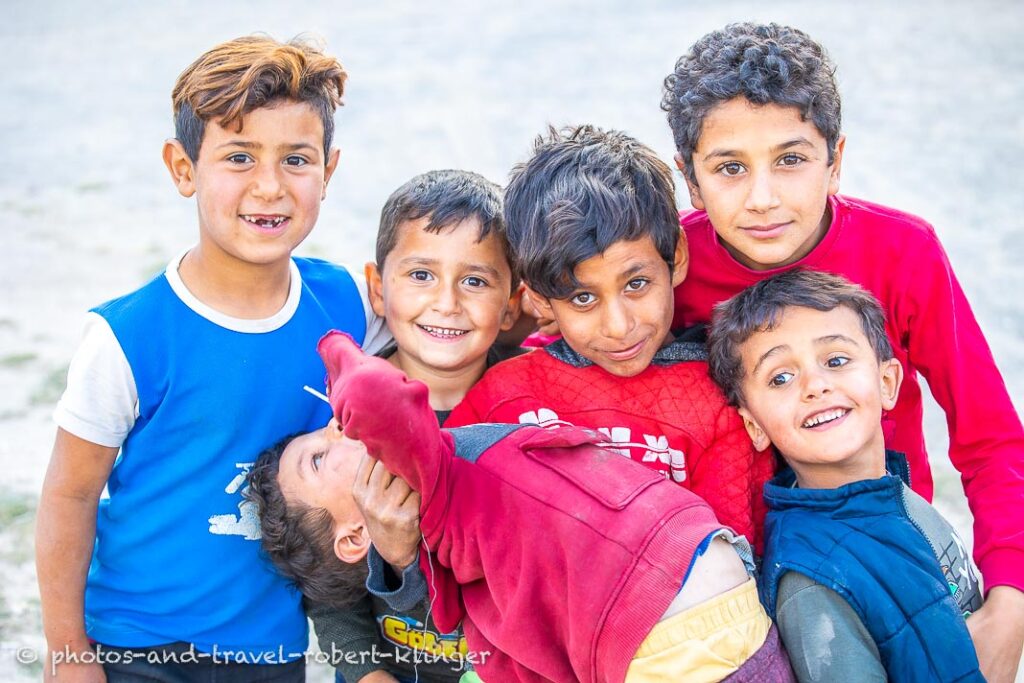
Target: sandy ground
932, 92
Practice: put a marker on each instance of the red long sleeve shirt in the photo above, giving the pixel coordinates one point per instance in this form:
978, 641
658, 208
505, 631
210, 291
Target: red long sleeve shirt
898, 258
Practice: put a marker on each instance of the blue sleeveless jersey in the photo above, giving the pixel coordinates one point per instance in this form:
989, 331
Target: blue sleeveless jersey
177, 555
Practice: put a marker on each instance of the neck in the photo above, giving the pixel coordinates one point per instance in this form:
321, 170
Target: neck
447, 387
870, 465
234, 287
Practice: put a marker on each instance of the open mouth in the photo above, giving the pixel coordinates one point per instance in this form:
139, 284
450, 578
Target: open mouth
264, 222
825, 417
443, 332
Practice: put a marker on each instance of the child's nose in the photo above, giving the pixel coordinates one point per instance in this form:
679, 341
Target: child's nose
447, 300
763, 194
816, 383
267, 183
616, 320
333, 430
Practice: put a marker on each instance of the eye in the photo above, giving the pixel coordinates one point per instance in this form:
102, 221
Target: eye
474, 281
316, 461
637, 284
295, 160
837, 361
791, 160
582, 299
781, 379
239, 158
421, 275
731, 168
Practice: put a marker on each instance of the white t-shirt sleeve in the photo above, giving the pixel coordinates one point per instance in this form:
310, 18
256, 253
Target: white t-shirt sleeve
377, 334
100, 403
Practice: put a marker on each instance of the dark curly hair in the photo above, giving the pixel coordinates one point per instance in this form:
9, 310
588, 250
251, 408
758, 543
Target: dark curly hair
583, 190
764, 63
759, 307
300, 539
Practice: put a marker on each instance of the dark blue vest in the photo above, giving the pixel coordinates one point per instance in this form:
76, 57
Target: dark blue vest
859, 541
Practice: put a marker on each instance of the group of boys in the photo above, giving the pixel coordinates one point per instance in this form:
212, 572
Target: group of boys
516, 542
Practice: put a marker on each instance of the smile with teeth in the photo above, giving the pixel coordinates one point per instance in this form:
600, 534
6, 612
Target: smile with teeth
822, 418
266, 222
443, 332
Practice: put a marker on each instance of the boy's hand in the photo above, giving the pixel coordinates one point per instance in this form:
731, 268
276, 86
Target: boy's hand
997, 630
391, 510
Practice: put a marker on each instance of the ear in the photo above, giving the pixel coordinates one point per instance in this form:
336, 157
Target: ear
375, 287
681, 260
695, 198
539, 302
351, 542
891, 377
513, 309
757, 435
180, 166
837, 164
329, 168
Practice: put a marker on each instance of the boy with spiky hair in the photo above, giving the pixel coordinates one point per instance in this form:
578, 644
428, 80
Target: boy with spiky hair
755, 113
865, 579
155, 409
592, 219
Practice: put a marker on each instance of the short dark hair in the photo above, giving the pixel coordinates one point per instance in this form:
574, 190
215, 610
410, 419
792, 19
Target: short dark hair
583, 190
300, 539
764, 63
235, 77
448, 197
758, 308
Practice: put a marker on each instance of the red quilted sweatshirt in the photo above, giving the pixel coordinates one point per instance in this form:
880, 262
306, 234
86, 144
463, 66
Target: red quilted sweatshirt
558, 556
671, 417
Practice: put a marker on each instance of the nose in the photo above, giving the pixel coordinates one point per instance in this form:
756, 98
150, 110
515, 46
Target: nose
447, 300
266, 184
763, 194
333, 430
816, 383
616, 320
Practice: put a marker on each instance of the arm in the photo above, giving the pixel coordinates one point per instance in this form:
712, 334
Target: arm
986, 441
825, 639
376, 404
997, 630
65, 533
339, 632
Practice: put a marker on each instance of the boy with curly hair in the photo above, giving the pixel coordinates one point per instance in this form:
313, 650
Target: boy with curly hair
755, 113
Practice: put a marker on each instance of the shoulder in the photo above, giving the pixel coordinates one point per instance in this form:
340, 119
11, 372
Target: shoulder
891, 225
137, 303
317, 272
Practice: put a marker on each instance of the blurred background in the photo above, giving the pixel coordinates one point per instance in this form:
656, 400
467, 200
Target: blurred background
933, 97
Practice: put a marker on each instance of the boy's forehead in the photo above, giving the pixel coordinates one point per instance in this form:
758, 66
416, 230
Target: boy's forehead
288, 120
796, 325
451, 241
739, 122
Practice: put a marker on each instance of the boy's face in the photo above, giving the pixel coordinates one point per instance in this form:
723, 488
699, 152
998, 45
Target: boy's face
259, 189
764, 179
622, 312
813, 387
445, 296
318, 469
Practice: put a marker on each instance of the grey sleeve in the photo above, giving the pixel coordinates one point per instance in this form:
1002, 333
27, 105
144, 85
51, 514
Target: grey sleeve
405, 597
348, 637
825, 638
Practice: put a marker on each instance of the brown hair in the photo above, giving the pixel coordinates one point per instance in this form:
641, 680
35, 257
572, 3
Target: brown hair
300, 539
759, 307
234, 78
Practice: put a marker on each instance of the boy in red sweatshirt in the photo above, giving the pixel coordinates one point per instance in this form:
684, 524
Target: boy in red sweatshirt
755, 114
591, 217
563, 560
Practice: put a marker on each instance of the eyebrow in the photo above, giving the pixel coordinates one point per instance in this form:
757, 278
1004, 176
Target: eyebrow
795, 142
627, 274
245, 144
820, 341
424, 261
